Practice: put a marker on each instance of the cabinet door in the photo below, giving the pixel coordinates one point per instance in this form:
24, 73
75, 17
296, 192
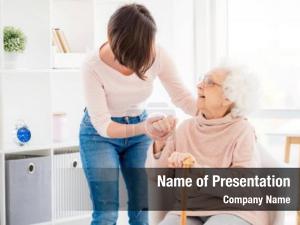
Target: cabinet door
70, 186
28, 190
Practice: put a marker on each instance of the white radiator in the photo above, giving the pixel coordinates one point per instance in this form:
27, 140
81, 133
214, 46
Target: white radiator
71, 194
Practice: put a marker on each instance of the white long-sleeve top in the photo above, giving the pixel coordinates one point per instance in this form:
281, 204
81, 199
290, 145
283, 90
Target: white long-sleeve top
109, 93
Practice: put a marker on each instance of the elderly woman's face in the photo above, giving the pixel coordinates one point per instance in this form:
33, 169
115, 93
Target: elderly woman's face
211, 99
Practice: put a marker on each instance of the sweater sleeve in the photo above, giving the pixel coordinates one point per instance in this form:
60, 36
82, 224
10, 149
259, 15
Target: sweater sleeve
169, 78
95, 100
160, 160
244, 153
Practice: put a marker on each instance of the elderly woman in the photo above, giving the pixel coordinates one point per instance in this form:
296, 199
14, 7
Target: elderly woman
219, 137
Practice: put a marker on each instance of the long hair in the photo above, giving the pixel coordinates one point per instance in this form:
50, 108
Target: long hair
131, 34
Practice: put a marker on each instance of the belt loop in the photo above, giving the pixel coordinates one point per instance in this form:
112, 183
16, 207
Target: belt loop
126, 119
143, 115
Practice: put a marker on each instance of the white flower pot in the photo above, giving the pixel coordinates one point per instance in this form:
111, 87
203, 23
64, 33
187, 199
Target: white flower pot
11, 60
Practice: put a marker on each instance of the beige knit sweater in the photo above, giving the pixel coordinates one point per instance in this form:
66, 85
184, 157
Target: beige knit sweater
217, 143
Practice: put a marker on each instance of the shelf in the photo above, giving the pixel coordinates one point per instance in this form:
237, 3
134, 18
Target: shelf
45, 81
27, 149
68, 60
23, 70
54, 70
62, 145
31, 149
9, 71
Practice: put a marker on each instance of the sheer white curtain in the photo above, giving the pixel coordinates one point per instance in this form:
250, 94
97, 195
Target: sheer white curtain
264, 35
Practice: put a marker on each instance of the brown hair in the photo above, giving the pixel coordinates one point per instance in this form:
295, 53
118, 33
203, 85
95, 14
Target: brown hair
131, 33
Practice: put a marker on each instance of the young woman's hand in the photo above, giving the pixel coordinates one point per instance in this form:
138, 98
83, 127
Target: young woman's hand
166, 126
160, 128
177, 158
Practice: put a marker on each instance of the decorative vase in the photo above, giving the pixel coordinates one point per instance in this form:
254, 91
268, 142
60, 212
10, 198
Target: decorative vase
11, 60
60, 130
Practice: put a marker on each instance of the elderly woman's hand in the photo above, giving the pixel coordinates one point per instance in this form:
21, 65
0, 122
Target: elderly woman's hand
176, 160
166, 126
160, 128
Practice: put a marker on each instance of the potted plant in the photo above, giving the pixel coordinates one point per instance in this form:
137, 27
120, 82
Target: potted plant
14, 41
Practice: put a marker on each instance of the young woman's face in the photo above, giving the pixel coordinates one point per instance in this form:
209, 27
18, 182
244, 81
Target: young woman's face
211, 98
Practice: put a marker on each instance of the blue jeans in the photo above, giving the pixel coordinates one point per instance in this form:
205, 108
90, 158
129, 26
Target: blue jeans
101, 158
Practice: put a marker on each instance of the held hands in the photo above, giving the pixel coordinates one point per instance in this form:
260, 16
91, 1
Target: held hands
160, 128
177, 160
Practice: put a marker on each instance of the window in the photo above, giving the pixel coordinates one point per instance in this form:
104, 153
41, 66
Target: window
265, 34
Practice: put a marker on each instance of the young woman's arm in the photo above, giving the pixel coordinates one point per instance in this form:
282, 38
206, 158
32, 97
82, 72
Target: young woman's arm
118, 130
100, 115
179, 94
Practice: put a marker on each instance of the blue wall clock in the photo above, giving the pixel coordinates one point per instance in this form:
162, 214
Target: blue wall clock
23, 133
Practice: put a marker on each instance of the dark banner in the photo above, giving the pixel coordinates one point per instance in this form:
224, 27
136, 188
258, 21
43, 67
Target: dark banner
194, 189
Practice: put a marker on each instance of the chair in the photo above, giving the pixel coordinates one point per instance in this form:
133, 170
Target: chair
268, 161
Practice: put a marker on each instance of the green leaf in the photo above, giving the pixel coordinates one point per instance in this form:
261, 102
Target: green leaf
14, 40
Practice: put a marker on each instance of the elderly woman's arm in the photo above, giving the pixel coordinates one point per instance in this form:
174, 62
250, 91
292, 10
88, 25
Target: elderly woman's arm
244, 153
158, 147
159, 152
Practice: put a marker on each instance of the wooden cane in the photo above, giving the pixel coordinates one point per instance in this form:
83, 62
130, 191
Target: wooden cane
187, 163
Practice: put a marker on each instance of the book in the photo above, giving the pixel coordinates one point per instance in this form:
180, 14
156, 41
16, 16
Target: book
63, 41
56, 41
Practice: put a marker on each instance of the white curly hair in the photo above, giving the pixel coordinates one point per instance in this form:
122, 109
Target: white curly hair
242, 88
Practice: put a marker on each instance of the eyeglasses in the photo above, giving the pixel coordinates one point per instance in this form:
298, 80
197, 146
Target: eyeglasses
208, 82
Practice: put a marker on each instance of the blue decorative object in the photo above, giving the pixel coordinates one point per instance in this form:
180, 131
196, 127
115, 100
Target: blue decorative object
23, 134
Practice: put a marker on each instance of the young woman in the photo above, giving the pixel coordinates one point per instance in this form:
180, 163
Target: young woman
115, 131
